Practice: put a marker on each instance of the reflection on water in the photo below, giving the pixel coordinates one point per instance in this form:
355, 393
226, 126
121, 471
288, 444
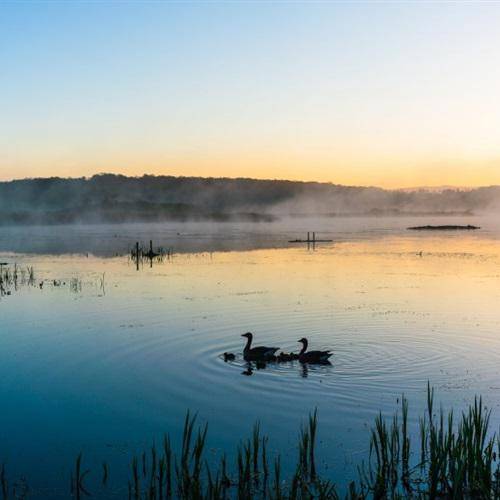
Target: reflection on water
103, 359
300, 368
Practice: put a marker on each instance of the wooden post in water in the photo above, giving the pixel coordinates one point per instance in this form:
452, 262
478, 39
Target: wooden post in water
137, 255
308, 236
314, 237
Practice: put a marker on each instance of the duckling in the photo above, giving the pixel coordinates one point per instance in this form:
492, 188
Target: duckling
312, 356
257, 353
284, 357
229, 356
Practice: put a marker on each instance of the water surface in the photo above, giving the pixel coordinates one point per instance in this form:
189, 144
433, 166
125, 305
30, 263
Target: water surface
106, 359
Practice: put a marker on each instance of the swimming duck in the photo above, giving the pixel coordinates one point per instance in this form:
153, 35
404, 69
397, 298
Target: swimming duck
312, 356
257, 353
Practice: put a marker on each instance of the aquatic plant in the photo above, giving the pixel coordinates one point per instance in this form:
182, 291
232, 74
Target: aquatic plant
75, 285
446, 458
78, 488
11, 278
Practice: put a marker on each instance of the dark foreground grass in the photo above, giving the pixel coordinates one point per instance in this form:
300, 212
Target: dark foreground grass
448, 458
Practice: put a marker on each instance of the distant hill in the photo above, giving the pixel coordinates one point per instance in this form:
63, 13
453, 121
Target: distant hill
117, 198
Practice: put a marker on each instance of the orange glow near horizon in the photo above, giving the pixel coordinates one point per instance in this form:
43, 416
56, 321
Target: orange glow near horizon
388, 174
395, 95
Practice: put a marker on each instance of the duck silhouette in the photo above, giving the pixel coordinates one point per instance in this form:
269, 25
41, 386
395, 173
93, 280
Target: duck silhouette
259, 353
312, 356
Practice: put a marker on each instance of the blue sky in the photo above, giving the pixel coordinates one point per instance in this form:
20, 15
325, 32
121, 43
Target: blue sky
393, 94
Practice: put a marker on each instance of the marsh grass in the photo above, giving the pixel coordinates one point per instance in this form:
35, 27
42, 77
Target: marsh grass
456, 459
12, 277
75, 285
446, 458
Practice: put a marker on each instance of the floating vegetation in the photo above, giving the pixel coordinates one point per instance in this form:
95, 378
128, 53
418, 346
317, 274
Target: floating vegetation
444, 228
310, 239
13, 277
448, 459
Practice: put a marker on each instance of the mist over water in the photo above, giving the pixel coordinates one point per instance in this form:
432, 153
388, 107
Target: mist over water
107, 240
108, 198
104, 358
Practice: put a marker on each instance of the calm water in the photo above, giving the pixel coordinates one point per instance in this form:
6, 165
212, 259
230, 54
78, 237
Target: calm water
110, 359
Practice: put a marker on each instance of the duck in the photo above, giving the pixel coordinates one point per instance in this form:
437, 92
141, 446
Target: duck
257, 353
312, 356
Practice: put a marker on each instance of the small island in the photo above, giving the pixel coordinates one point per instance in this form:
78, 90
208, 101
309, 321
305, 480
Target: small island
444, 228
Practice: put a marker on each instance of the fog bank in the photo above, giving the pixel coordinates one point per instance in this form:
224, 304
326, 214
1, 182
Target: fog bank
117, 198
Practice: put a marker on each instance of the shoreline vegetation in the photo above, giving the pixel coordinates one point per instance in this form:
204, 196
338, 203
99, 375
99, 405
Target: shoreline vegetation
109, 198
449, 458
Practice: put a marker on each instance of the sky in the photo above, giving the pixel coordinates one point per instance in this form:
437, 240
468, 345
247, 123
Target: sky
393, 94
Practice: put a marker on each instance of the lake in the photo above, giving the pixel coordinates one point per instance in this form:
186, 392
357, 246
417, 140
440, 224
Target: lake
100, 357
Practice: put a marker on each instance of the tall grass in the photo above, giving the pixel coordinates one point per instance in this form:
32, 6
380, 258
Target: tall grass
11, 278
446, 458
456, 459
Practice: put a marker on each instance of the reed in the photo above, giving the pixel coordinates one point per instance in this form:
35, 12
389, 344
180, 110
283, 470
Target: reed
445, 458
105, 473
31, 275
78, 488
455, 461
12, 278
4, 483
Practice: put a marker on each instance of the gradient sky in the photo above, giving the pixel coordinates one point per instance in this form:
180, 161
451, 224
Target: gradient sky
391, 94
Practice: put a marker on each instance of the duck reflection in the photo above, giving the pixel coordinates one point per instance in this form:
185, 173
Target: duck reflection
303, 368
249, 370
306, 368
250, 367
